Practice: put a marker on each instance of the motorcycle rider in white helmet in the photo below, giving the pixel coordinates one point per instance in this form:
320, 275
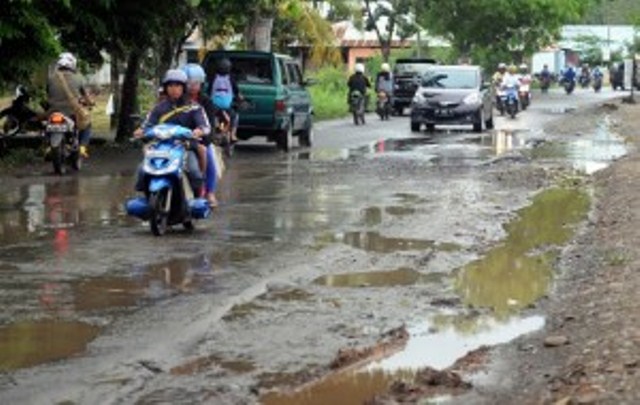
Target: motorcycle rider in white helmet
58, 95
359, 82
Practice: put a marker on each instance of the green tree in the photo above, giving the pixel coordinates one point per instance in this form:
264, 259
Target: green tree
493, 30
398, 15
26, 39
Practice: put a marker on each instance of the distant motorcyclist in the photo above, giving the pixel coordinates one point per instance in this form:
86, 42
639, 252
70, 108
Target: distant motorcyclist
511, 79
66, 80
585, 76
597, 77
224, 91
358, 82
569, 74
384, 80
177, 109
497, 82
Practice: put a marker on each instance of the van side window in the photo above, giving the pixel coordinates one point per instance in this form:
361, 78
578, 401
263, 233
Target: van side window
293, 74
284, 72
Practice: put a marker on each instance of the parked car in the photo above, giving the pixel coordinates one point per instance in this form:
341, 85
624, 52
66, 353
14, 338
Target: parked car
278, 105
453, 95
406, 79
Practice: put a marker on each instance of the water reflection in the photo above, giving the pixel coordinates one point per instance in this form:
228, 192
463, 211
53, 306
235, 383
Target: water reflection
38, 210
26, 344
399, 277
515, 274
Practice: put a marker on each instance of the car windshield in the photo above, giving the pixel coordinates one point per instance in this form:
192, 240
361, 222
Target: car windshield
411, 68
252, 70
450, 79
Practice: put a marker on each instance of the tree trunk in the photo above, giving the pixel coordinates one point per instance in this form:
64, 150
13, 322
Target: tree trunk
129, 96
115, 90
258, 33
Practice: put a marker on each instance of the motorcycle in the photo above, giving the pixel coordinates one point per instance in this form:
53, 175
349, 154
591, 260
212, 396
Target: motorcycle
584, 81
569, 86
597, 84
356, 107
509, 99
524, 94
169, 197
545, 83
63, 145
19, 117
383, 105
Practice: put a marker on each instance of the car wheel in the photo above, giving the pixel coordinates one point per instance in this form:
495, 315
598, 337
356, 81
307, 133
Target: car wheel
415, 126
306, 136
284, 140
477, 126
431, 127
488, 124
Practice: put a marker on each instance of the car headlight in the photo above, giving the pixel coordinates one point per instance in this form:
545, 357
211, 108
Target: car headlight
473, 98
418, 98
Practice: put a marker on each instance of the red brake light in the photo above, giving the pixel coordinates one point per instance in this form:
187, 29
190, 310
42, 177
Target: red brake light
280, 106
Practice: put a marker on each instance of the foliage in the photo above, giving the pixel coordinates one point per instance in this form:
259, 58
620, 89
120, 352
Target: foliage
495, 30
590, 49
612, 12
329, 94
398, 15
26, 39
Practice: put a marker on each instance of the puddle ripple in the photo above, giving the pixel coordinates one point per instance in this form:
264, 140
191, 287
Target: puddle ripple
399, 277
27, 344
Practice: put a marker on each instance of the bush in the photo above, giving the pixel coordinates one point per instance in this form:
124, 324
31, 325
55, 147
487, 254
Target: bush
329, 94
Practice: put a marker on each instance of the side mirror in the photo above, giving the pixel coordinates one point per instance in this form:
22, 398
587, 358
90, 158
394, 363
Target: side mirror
309, 81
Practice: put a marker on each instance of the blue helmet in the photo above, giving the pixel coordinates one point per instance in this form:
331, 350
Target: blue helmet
194, 72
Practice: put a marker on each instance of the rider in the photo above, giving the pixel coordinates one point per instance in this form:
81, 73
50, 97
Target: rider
195, 78
358, 82
58, 94
179, 110
224, 91
384, 81
569, 74
511, 79
497, 81
585, 74
597, 73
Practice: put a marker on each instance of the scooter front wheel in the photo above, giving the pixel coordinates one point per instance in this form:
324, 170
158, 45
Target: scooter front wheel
159, 217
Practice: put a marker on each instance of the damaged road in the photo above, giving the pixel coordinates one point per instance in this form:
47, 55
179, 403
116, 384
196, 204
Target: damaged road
452, 237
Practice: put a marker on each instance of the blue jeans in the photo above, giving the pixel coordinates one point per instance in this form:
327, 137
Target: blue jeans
212, 171
84, 135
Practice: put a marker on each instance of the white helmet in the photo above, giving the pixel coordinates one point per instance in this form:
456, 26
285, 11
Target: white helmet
385, 67
524, 66
359, 68
67, 60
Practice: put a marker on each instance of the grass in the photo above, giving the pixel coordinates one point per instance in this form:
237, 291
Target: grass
329, 94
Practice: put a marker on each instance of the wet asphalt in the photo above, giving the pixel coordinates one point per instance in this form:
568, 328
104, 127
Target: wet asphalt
309, 252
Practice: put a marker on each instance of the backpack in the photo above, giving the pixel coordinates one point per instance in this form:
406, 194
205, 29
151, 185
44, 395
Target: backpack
222, 92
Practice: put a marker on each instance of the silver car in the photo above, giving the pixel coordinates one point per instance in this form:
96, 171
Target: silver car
453, 95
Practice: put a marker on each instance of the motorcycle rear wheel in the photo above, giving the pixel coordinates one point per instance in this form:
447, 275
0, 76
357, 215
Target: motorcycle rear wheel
159, 218
10, 126
57, 159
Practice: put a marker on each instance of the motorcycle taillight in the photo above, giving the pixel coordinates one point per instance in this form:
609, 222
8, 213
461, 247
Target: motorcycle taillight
56, 118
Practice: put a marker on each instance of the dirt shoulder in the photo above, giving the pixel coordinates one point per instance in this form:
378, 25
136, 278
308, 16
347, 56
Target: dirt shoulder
589, 351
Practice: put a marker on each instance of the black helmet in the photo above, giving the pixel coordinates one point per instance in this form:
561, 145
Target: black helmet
224, 66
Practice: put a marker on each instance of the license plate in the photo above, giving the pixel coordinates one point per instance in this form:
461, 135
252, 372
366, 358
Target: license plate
57, 128
443, 112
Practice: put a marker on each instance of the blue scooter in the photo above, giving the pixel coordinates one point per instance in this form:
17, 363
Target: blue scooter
510, 101
169, 198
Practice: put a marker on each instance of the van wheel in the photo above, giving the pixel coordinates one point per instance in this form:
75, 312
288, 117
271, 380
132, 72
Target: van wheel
284, 140
306, 136
415, 126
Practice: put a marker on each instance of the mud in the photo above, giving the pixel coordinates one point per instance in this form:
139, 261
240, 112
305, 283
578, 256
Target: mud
242, 289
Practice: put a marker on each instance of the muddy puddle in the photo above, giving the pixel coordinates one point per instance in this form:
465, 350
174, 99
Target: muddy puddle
377, 243
587, 153
518, 271
399, 277
40, 210
27, 344
437, 344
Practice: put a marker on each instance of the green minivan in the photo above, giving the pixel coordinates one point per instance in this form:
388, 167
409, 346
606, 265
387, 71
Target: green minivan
278, 105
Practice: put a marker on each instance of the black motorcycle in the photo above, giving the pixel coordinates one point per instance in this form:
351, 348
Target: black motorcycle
19, 117
357, 107
597, 83
383, 105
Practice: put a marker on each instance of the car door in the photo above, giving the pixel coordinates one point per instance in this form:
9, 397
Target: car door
486, 92
299, 97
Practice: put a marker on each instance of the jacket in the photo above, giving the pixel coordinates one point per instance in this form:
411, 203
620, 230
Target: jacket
181, 112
